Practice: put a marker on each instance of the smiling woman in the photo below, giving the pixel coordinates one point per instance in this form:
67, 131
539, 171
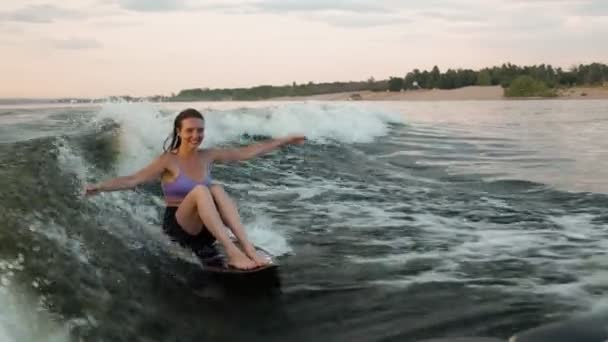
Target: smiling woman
198, 212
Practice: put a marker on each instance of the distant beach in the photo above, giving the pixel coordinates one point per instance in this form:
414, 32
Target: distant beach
460, 94
469, 93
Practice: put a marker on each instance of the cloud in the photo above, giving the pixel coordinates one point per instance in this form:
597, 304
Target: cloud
593, 8
319, 5
463, 15
114, 24
153, 5
357, 20
10, 29
76, 44
338, 13
41, 14
453, 16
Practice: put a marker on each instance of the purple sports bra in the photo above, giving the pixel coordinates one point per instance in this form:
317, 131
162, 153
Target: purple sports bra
182, 185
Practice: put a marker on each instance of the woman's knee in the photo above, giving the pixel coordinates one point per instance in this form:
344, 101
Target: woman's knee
214, 192
200, 191
216, 189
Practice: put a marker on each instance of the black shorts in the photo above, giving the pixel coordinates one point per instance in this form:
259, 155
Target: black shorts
201, 244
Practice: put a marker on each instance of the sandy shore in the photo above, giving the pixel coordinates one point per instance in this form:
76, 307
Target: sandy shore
585, 93
463, 94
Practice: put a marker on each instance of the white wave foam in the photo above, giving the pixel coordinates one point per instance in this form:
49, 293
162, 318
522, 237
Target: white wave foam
145, 126
59, 235
345, 123
423, 278
143, 207
17, 309
552, 251
19, 306
578, 227
70, 161
262, 233
143, 131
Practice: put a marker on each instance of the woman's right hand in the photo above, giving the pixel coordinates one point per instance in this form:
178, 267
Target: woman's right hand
91, 189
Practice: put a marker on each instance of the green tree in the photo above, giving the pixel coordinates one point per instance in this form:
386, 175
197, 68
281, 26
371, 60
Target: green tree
395, 84
434, 80
484, 78
424, 80
524, 86
594, 74
448, 80
409, 80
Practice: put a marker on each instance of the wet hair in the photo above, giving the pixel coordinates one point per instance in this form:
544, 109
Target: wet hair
176, 141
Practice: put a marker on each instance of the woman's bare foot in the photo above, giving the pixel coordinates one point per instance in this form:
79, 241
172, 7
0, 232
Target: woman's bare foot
239, 260
253, 255
260, 261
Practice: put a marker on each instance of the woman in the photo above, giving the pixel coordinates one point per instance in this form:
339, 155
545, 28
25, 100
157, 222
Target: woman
196, 211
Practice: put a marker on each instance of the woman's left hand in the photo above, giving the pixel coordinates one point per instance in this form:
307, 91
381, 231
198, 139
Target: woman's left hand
294, 140
90, 190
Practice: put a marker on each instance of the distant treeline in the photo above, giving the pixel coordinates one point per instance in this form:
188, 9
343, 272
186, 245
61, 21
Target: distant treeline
592, 74
540, 79
268, 91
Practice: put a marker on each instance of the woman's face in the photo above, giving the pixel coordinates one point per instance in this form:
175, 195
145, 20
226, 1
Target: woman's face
192, 132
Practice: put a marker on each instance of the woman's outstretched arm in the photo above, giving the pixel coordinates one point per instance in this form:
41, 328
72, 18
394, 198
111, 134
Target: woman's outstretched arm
254, 150
150, 172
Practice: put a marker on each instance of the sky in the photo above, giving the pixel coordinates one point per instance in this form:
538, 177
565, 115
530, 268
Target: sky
97, 48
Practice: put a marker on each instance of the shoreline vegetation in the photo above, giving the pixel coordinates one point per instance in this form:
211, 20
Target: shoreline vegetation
517, 82
507, 81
